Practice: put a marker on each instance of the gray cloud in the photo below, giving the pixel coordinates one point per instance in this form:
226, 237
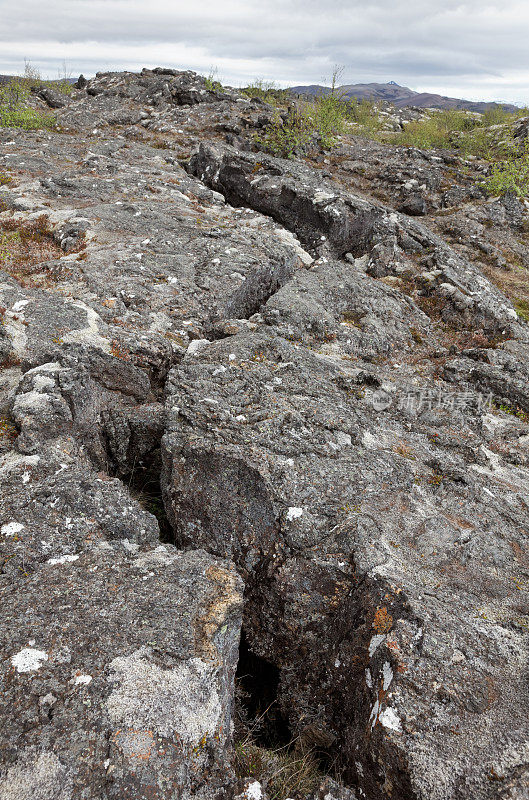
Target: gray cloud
469, 48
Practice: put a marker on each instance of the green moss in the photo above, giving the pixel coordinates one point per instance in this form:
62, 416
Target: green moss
522, 309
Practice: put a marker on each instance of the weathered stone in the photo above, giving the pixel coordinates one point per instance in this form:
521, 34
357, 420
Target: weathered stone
118, 675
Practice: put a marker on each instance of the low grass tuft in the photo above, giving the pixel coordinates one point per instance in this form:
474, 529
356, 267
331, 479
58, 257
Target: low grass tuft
26, 246
284, 772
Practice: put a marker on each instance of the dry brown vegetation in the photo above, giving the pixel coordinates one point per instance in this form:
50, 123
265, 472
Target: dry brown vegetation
25, 247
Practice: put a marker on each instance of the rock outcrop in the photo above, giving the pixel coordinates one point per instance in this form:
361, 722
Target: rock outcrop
281, 399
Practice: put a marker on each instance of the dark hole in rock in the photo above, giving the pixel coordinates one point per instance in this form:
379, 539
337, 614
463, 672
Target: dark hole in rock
258, 710
264, 745
143, 483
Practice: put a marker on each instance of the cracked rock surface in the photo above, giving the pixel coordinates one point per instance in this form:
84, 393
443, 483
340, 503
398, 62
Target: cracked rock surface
246, 394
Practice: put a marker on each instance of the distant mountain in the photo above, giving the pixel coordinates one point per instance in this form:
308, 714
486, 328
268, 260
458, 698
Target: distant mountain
7, 78
400, 96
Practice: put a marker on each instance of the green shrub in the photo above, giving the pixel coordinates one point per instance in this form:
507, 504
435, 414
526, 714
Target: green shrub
15, 111
511, 175
32, 79
269, 92
328, 114
305, 124
483, 135
364, 114
436, 130
287, 137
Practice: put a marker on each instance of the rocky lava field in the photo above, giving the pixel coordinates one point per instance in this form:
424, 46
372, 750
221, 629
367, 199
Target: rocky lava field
264, 443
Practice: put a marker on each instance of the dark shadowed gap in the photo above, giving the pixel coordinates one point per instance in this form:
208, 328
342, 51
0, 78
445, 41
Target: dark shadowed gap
258, 682
143, 483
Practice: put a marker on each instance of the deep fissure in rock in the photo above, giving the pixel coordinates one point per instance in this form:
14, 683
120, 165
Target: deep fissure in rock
293, 211
257, 699
143, 483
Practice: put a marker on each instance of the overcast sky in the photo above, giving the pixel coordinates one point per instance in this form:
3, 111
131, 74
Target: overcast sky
475, 49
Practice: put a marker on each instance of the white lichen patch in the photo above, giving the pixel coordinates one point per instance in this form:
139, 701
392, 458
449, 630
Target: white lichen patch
41, 777
389, 719
90, 334
182, 701
375, 643
254, 791
11, 528
15, 330
82, 680
43, 382
287, 238
29, 659
12, 461
387, 675
159, 557
29, 402
294, 513
19, 305
373, 717
62, 559
369, 679
196, 346
322, 197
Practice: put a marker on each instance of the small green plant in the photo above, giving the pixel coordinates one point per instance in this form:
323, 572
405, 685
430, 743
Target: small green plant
212, 84
7, 242
514, 411
522, 309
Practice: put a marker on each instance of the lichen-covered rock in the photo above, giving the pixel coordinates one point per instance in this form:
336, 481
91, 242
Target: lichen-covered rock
117, 675
363, 536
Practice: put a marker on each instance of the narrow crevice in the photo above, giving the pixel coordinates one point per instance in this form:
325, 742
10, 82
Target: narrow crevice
143, 483
257, 698
132, 452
